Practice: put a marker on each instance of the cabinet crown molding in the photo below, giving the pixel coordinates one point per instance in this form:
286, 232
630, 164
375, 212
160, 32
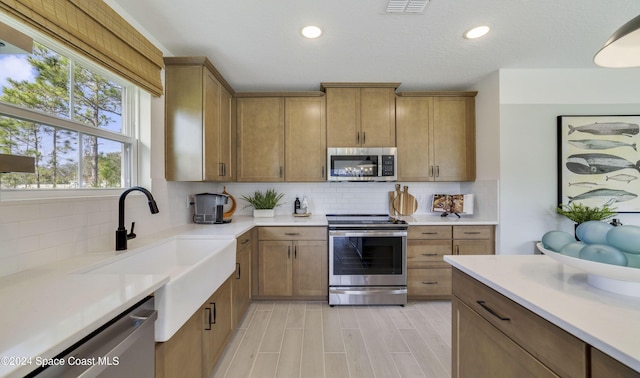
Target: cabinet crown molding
438, 94
199, 61
324, 86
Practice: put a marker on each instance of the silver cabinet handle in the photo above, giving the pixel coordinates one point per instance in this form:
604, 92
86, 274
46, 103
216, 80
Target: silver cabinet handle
245, 241
292, 233
472, 232
208, 328
288, 252
238, 270
437, 171
280, 171
429, 282
431, 171
429, 233
429, 254
364, 137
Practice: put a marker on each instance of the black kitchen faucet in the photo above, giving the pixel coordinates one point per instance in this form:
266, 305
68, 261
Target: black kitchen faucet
121, 232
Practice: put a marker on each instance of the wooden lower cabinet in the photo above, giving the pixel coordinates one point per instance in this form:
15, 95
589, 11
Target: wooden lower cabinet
217, 325
292, 262
483, 351
428, 275
181, 356
494, 336
241, 283
195, 348
603, 366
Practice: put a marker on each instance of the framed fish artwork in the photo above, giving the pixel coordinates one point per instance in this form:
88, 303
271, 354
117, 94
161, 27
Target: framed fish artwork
598, 161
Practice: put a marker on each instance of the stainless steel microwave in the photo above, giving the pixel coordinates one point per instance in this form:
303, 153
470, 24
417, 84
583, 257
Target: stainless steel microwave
362, 164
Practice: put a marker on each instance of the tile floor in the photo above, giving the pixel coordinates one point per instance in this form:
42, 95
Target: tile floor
312, 339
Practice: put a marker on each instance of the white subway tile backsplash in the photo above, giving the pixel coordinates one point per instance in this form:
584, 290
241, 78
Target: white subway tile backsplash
37, 232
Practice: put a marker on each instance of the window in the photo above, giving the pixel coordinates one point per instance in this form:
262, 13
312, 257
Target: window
71, 117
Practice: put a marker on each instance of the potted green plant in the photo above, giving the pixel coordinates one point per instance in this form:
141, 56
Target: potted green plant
580, 213
264, 203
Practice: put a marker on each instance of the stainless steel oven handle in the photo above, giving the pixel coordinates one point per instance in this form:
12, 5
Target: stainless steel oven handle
368, 233
368, 291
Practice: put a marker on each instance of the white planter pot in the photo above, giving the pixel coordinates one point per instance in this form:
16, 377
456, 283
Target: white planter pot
264, 213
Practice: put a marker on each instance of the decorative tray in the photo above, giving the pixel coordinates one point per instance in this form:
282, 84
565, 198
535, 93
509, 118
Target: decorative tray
613, 278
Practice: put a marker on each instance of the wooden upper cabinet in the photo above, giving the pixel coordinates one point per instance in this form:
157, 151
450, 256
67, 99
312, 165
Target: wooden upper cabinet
281, 136
436, 136
361, 114
260, 127
199, 129
305, 139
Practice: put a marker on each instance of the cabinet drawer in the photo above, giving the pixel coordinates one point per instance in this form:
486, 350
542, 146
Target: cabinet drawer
427, 253
292, 233
561, 352
473, 232
429, 232
429, 282
244, 241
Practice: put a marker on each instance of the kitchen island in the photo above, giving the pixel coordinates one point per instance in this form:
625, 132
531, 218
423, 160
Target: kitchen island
562, 297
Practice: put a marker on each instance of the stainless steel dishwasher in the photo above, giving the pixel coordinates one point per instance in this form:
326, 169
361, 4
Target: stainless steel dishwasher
124, 347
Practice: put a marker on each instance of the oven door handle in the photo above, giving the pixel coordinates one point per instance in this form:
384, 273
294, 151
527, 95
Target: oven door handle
386, 290
368, 233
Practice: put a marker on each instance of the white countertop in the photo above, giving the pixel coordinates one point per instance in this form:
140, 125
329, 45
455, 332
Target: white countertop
562, 295
49, 308
451, 219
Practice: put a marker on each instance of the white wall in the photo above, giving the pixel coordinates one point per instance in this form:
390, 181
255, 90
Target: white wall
530, 101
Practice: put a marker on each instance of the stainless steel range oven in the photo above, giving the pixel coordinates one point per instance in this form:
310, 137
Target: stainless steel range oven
367, 260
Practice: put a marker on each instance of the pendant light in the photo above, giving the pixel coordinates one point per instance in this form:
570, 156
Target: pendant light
623, 48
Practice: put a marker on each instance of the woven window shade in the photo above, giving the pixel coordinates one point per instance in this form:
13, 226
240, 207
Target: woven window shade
96, 31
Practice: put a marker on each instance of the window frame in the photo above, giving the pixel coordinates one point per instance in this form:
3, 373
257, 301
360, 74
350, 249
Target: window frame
130, 128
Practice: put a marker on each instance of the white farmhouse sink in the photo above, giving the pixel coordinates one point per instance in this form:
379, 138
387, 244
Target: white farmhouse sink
196, 267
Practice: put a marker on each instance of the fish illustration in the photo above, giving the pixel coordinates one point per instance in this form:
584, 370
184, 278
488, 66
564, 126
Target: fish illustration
611, 195
591, 164
596, 144
583, 184
607, 128
621, 177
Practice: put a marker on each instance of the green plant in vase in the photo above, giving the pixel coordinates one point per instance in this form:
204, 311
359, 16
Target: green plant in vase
264, 203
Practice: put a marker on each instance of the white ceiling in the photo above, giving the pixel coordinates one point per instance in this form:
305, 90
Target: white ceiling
256, 44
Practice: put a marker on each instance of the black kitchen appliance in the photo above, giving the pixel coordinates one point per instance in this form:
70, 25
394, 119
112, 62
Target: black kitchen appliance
209, 208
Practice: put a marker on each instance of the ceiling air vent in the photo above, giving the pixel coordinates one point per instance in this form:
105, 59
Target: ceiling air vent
406, 6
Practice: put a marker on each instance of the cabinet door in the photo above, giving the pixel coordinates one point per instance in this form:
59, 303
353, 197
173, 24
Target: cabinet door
310, 268
453, 138
275, 268
181, 355
343, 117
241, 284
480, 350
413, 117
377, 117
227, 143
217, 325
603, 366
305, 139
211, 126
183, 123
260, 129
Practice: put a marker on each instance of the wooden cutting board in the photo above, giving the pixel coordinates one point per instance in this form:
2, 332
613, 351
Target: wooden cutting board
405, 203
392, 198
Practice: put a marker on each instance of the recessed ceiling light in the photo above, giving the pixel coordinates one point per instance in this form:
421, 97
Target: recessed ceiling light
311, 31
476, 32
